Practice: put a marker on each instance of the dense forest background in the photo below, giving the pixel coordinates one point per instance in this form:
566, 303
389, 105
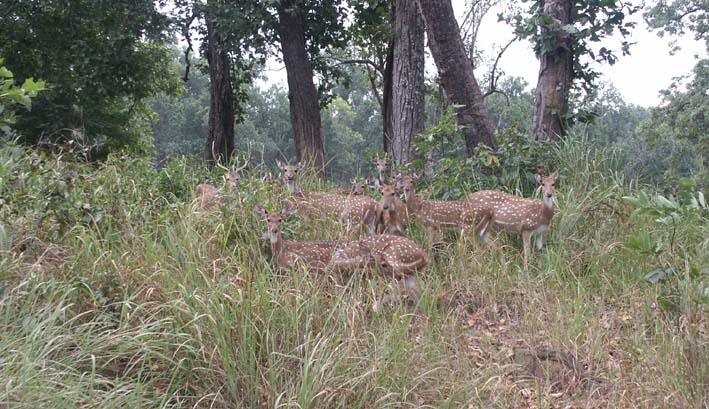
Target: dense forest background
136, 90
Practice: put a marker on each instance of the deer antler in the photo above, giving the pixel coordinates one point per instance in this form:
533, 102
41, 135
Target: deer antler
246, 161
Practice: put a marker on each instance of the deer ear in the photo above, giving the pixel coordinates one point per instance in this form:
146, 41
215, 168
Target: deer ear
555, 175
416, 176
261, 211
538, 178
280, 165
301, 164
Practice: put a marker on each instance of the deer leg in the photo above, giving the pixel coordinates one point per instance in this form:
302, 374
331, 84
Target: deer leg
526, 244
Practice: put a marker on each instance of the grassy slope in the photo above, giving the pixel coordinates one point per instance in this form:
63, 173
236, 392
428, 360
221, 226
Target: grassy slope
115, 291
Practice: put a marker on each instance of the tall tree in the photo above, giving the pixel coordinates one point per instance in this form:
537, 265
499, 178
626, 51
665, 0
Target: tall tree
563, 32
303, 96
220, 135
407, 82
555, 73
456, 73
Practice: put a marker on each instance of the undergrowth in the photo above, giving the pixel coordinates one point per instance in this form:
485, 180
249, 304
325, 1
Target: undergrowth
117, 290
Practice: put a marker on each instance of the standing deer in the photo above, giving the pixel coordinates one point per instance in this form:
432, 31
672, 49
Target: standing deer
210, 195
350, 210
315, 255
517, 214
441, 214
381, 165
392, 215
388, 254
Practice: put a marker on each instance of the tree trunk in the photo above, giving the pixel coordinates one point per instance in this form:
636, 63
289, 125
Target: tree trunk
456, 73
407, 81
220, 137
551, 102
388, 120
302, 94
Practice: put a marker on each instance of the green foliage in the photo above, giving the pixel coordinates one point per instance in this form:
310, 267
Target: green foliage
679, 224
591, 22
679, 17
512, 166
100, 61
673, 142
12, 95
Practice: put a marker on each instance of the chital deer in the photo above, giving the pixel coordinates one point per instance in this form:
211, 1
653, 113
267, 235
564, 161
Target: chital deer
210, 195
388, 254
441, 214
349, 210
358, 188
392, 215
287, 254
381, 166
290, 175
528, 217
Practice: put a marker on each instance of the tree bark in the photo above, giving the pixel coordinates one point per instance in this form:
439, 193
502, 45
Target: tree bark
220, 137
388, 120
302, 94
407, 81
551, 102
456, 73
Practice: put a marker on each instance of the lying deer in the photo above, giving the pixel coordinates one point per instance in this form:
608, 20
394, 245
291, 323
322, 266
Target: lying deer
359, 187
440, 214
210, 195
287, 254
392, 215
517, 214
350, 210
388, 254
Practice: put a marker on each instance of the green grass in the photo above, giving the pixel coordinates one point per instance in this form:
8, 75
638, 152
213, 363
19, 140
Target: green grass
117, 291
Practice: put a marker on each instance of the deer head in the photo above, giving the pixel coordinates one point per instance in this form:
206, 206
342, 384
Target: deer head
274, 221
547, 183
358, 187
290, 173
389, 197
407, 184
381, 165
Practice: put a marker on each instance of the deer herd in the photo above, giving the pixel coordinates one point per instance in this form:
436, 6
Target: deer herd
385, 249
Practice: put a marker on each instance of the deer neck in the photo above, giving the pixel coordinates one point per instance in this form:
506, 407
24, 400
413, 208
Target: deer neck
277, 248
548, 209
414, 204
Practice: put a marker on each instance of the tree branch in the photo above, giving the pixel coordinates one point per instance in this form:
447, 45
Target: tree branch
368, 63
186, 34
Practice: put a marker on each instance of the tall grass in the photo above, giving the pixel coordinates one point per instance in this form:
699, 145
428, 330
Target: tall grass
118, 291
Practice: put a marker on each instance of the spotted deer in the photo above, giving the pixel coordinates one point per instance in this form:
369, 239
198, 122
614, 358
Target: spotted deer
359, 186
210, 195
387, 254
290, 175
442, 214
381, 166
392, 215
511, 213
287, 254
349, 210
